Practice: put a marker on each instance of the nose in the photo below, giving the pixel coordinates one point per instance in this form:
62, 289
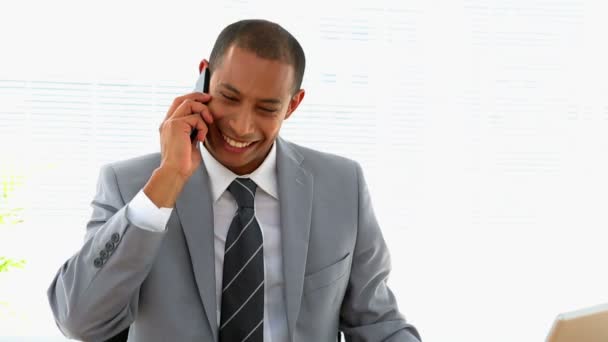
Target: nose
241, 123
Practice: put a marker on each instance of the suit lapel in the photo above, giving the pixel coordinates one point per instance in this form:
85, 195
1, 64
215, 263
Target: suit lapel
195, 211
295, 196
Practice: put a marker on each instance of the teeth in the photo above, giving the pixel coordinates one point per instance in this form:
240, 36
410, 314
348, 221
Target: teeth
235, 143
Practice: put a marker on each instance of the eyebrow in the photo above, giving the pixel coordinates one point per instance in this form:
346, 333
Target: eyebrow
233, 89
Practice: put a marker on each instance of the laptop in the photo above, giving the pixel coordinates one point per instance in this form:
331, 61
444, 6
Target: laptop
586, 325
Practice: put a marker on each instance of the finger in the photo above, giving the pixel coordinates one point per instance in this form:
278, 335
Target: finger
195, 121
196, 96
189, 107
202, 135
207, 116
203, 111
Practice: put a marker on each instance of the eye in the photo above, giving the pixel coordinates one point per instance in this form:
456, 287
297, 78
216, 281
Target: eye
230, 98
267, 110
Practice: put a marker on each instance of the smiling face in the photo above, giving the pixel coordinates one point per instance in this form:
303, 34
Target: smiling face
251, 96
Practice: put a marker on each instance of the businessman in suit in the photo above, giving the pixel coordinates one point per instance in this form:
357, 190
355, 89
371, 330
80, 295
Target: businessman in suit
238, 234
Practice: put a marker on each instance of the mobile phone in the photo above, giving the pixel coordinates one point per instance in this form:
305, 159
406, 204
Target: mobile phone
201, 86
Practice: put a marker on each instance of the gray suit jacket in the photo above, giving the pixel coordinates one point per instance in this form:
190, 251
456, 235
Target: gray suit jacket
162, 284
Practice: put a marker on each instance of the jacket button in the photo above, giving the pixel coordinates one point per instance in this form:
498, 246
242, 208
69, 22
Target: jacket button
98, 262
115, 237
109, 246
103, 254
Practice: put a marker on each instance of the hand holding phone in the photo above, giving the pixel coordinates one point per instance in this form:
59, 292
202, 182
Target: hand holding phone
185, 125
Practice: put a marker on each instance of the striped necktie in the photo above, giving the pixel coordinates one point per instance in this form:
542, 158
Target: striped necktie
242, 315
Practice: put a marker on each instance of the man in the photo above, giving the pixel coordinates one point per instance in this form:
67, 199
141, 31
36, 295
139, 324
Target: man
245, 237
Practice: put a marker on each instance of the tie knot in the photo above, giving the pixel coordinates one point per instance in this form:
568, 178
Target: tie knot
243, 191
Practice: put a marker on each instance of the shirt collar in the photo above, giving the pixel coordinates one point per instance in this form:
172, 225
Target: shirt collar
265, 176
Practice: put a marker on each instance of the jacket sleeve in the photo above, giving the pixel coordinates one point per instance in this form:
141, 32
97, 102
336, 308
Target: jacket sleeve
369, 310
94, 294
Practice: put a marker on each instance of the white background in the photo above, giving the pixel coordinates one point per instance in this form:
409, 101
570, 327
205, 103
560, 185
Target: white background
481, 127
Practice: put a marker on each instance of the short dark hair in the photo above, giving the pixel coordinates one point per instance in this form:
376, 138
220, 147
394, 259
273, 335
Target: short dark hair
264, 38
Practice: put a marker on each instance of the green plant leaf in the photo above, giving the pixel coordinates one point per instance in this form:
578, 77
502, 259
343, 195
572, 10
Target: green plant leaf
6, 264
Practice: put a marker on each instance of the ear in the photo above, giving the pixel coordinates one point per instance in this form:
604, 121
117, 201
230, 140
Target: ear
204, 64
294, 102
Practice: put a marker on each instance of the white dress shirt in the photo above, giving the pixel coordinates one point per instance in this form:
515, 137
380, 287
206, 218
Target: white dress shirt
144, 214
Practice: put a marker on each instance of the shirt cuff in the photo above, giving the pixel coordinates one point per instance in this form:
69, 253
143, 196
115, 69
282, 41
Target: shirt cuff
143, 213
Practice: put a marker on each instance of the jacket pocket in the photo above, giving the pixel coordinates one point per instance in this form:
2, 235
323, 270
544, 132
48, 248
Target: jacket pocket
326, 275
